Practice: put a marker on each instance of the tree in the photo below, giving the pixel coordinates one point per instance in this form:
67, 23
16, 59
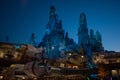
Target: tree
32, 39
7, 38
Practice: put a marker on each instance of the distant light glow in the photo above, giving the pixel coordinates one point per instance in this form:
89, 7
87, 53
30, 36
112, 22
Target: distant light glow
70, 54
82, 56
1, 77
52, 47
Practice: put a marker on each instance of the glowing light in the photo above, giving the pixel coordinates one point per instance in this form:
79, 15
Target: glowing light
70, 54
1, 77
35, 78
52, 47
23, 77
82, 56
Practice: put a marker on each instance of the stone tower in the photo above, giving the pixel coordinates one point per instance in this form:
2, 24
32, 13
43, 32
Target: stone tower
52, 20
53, 39
83, 37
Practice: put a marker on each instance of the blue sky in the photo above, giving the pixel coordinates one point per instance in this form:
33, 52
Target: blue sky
20, 18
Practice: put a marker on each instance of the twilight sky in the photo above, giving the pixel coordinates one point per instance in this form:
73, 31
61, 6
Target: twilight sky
20, 18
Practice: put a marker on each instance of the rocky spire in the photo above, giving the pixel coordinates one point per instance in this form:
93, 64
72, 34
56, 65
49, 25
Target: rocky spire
98, 37
48, 29
95, 41
53, 22
83, 20
92, 40
82, 31
52, 10
53, 17
60, 24
83, 37
92, 36
99, 41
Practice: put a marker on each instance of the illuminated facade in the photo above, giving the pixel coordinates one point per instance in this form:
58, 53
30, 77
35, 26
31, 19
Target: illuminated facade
56, 41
